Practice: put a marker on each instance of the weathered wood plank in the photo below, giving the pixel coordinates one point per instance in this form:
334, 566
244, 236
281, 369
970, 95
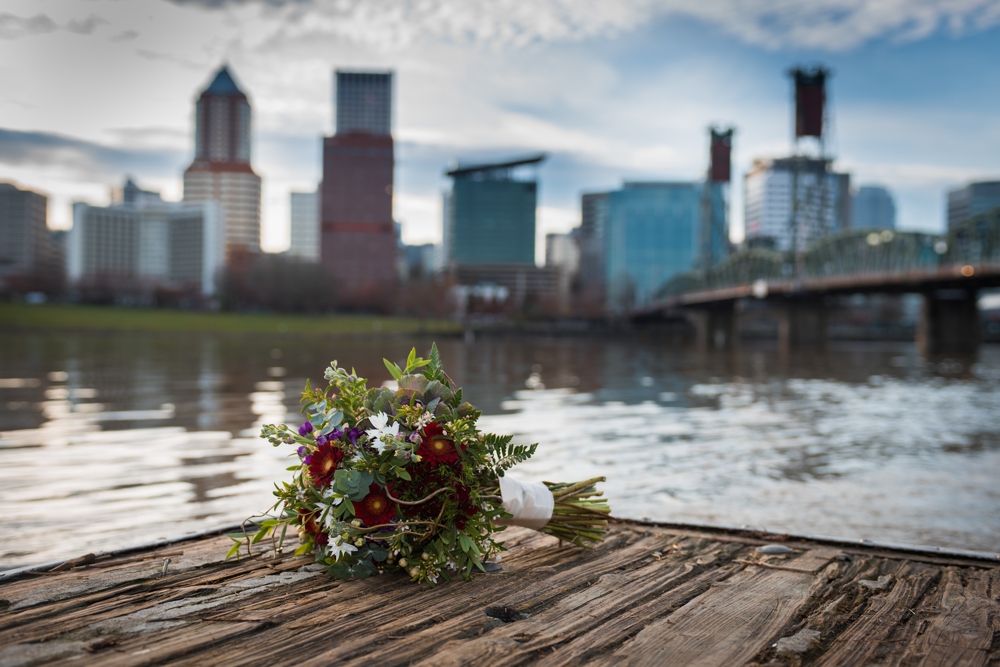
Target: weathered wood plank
870, 635
578, 613
726, 625
647, 595
956, 625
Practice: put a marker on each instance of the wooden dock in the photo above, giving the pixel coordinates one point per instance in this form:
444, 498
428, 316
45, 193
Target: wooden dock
648, 596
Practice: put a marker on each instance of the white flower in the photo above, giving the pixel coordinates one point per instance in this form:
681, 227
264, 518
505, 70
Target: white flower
382, 431
338, 548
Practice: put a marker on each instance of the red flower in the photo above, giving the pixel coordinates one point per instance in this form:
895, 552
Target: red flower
310, 526
375, 509
435, 447
324, 463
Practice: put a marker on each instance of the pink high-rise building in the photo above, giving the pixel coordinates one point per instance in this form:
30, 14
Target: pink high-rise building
221, 170
358, 236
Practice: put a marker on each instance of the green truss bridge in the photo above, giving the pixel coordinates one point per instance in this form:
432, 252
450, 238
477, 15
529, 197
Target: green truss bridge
948, 270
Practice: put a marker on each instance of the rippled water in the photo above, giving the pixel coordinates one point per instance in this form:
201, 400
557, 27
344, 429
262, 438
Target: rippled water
113, 440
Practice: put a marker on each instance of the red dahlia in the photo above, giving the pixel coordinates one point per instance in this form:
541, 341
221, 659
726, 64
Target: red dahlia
310, 526
324, 463
435, 448
374, 509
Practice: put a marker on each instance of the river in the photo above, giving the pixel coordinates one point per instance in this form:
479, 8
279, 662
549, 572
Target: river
111, 440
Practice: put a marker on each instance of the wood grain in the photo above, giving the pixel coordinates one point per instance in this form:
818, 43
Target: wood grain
647, 595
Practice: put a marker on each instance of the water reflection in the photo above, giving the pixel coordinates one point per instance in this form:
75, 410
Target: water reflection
109, 440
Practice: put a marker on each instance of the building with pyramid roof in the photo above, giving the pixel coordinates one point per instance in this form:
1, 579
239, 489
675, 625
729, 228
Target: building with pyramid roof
221, 170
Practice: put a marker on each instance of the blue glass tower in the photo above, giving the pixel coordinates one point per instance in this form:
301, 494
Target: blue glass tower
652, 233
491, 214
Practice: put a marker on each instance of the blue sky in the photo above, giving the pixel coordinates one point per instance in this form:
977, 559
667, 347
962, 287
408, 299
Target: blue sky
613, 91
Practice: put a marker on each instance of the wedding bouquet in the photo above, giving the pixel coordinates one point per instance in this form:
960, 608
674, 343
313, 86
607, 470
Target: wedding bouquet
398, 476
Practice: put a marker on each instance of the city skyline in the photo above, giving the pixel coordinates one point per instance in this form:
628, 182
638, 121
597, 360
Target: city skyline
612, 94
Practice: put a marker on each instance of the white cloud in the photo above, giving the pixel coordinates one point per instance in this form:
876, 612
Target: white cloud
833, 25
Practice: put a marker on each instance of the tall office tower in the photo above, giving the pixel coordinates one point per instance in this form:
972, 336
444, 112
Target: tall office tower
134, 248
652, 233
304, 224
593, 221
358, 235
872, 207
973, 199
221, 170
26, 244
774, 215
490, 235
563, 251
491, 213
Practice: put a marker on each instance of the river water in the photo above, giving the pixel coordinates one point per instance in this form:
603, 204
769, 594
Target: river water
110, 440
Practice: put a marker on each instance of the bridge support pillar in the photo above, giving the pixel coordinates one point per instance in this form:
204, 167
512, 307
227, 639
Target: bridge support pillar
802, 325
716, 327
949, 322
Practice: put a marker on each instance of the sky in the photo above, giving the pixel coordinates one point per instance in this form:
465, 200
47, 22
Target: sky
611, 90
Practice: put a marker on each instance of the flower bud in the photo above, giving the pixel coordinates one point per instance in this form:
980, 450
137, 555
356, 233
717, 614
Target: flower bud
414, 571
402, 562
425, 556
358, 542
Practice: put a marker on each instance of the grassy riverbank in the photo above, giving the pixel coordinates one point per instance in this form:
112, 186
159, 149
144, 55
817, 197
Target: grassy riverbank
15, 316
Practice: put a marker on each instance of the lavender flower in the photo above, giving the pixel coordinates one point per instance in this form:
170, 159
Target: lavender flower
302, 451
353, 434
305, 429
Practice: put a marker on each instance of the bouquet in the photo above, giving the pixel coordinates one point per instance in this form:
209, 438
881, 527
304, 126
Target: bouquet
398, 476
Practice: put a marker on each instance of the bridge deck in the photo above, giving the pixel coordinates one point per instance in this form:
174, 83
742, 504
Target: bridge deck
986, 275
648, 595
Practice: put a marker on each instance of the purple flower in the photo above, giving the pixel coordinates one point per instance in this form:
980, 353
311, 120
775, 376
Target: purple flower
302, 451
331, 437
307, 460
305, 429
353, 434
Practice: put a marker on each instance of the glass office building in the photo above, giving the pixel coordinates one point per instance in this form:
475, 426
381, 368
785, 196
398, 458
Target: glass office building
490, 214
653, 232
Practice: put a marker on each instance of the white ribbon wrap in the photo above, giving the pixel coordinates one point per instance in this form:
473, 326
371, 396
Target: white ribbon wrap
531, 503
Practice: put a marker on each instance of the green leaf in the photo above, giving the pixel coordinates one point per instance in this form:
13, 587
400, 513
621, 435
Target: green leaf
304, 549
353, 483
465, 542
341, 570
235, 549
393, 369
402, 474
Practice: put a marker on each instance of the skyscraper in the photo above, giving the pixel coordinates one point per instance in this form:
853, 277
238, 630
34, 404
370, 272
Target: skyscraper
304, 224
872, 208
27, 248
221, 170
973, 199
652, 232
806, 189
358, 236
491, 214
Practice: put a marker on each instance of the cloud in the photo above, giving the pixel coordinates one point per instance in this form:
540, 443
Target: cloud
830, 25
86, 26
14, 27
92, 162
125, 36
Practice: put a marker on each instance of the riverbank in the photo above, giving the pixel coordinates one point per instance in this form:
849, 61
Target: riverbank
663, 595
62, 317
